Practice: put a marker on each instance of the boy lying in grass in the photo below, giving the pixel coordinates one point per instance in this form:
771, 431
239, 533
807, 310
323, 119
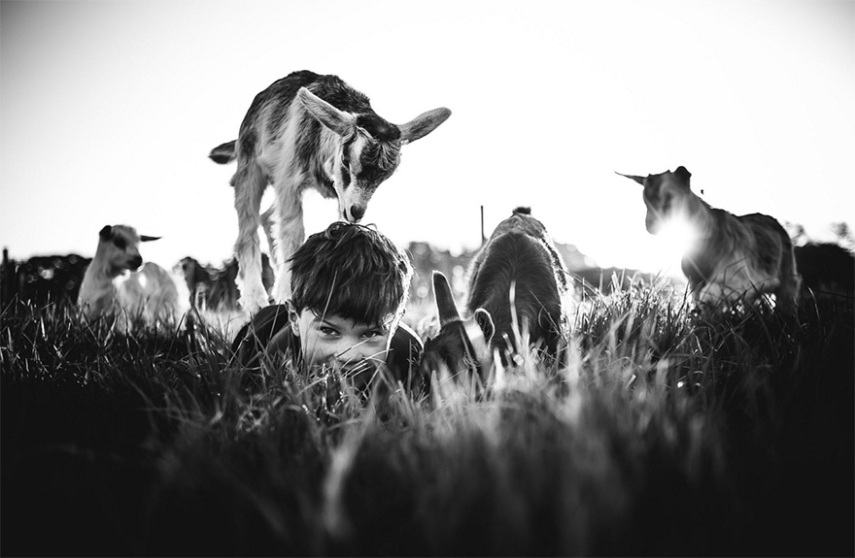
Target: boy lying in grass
349, 288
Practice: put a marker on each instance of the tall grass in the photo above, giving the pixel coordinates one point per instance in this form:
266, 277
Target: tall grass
662, 432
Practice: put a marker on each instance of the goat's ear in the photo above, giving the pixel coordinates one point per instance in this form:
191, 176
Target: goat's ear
485, 322
337, 121
445, 306
106, 232
144, 238
683, 174
639, 179
423, 124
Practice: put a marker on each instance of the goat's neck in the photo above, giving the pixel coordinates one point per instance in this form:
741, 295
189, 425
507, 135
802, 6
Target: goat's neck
710, 243
702, 217
101, 272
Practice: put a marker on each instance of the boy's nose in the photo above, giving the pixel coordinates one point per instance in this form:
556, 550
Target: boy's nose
350, 356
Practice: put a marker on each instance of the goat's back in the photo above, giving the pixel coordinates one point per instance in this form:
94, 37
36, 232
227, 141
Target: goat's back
515, 258
151, 290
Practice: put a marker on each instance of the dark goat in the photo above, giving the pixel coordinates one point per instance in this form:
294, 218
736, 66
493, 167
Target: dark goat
826, 268
460, 344
215, 289
519, 265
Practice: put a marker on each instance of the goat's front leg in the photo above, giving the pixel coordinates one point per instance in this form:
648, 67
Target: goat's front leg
269, 225
289, 205
249, 182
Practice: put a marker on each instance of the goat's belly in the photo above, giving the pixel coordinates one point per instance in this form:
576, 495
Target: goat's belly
739, 279
151, 288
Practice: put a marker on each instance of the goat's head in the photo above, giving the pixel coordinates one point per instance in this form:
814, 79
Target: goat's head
369, 149
118, 248
460, 344
666, 196
521, 221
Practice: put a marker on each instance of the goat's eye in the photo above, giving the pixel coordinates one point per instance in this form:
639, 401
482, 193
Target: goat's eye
120, 243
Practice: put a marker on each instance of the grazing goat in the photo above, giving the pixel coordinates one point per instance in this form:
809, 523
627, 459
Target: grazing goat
307, 131
517, 288
734, 257
109, 290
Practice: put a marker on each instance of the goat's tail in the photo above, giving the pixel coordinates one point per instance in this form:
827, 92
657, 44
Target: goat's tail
224, 153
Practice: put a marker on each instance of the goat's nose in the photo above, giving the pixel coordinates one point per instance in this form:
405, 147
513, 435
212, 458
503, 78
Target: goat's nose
356, 212
135, 262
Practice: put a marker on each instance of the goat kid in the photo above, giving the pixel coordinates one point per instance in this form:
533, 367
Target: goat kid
214, 289
734, 257
518, 287
307, 131
108, 289
461, 344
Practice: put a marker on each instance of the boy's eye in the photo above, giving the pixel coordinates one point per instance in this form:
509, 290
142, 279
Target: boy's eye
327, 330
374, 333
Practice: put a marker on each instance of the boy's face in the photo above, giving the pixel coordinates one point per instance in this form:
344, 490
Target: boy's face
341, 342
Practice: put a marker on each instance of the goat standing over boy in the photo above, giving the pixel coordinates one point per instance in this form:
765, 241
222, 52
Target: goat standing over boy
734, 257
307, 131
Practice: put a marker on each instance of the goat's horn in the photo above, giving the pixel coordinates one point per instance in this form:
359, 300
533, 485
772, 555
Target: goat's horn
639, 179
144, 238
445, 306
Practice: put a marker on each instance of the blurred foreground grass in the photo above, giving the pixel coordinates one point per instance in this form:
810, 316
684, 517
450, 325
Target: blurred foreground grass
665, 433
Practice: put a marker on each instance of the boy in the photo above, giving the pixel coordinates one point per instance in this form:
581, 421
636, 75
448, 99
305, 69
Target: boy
349, 288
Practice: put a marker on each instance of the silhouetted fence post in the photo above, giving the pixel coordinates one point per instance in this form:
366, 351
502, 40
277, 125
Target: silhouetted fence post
7, 280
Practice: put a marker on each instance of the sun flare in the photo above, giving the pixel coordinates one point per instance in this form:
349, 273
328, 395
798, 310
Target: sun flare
676, 237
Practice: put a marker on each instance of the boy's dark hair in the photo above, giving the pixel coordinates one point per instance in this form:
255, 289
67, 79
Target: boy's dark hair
351, 271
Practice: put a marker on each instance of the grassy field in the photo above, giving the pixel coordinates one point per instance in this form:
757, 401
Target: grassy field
665, 434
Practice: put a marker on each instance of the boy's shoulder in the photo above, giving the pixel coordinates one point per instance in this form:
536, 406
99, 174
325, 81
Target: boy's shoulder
254, 337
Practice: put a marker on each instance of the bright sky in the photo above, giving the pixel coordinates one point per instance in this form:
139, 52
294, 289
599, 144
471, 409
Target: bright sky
109, 110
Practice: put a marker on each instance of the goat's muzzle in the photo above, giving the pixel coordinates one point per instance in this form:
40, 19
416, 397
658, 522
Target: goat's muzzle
356, 213
652, 225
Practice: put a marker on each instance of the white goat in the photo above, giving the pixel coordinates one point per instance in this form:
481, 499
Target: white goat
307, 131
109, 290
